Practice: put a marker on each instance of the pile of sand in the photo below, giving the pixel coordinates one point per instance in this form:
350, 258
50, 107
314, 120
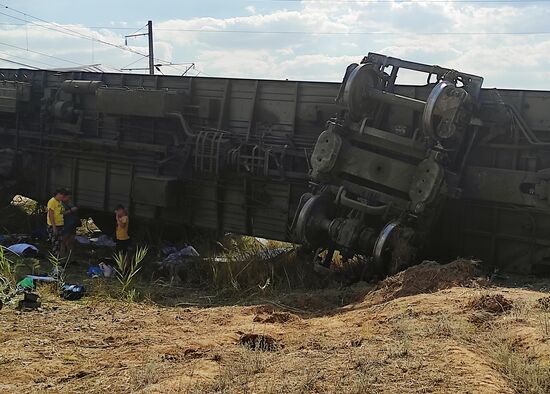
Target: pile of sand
427, 277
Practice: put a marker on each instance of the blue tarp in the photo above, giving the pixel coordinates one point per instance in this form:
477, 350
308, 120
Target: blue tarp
22, 248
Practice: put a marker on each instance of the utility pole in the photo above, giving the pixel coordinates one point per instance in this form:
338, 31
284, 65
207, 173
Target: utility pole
151, 57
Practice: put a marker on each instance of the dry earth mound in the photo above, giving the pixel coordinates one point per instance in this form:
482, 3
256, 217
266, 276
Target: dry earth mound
427, 277
493, 303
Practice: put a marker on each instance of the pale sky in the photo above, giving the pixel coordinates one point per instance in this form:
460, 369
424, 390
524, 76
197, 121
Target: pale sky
506, 42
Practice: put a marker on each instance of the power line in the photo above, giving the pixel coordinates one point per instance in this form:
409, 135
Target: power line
40, 53
314, 33
65, 30
71, 32
74, 33
27, 59
410, 1
140, 29
134, 62
19, 64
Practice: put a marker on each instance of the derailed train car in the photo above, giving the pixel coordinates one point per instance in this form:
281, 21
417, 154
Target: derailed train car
214, 153
393, 172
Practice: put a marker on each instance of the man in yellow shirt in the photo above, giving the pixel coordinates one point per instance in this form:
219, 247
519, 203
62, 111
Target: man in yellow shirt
122, 237
55, 220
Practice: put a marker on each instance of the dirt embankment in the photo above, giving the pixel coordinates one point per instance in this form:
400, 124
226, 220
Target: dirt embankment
427, 277
415, 333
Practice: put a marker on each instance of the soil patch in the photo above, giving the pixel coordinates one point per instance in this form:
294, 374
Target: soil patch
427, 277
276, 317
493, 303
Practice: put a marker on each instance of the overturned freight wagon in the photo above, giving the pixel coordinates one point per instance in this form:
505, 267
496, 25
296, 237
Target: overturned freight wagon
369, 166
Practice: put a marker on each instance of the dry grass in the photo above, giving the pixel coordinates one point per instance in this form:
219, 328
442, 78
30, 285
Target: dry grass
248, 266
143, 376
545, 324
413, 344
410, 341
527, 374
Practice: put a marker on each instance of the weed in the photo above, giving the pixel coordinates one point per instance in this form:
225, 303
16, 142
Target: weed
545, 324
237, 375
443, 327
544, 303
521, 310
127, 269
132, 295
398, 349
58, 268
364, 371
401, 346
447, 326
145, 376
310, 378
527, 374
7, 269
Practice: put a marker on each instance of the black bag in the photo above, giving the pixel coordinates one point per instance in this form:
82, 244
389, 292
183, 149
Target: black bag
72, 292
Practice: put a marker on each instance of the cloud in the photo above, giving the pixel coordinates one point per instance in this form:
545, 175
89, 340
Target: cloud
463, 36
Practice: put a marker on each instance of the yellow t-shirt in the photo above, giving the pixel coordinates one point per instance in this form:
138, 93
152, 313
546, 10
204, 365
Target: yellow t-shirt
122, 232
58, 210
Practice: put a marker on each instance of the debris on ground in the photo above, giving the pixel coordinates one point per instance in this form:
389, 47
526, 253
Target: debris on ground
72, 292
30, 302
427, 277
103, 240
259, 342
30, 281
26, 284
101, 270
493, 303
176, 261
82, 240
544, 303
23, 249
94, 271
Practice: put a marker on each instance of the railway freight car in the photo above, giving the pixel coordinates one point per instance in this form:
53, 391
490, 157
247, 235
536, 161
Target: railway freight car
393, 172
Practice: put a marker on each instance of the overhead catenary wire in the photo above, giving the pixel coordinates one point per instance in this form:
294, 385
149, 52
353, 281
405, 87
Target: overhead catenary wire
335, 33
74, 33
41, 53
133, 62
19, 64
407, 1
68, 31
314, 33
11, 55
